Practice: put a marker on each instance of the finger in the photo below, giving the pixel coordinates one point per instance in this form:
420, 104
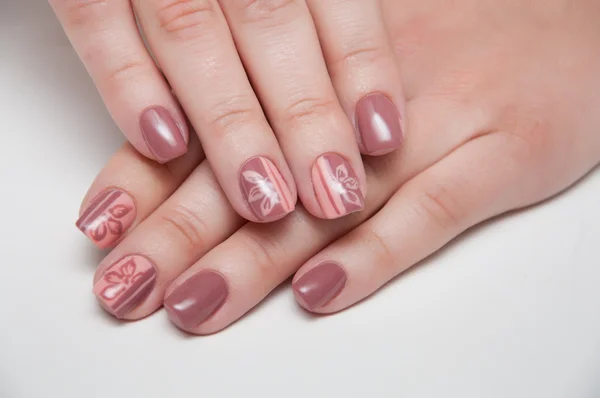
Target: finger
237, 274
130, 282
127, 190
105, 35
278, 43
481, 179
362, 65
194, 47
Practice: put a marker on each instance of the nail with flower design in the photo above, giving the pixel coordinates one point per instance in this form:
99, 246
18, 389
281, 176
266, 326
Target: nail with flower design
336, 186
107, 217
125, 284
266, 193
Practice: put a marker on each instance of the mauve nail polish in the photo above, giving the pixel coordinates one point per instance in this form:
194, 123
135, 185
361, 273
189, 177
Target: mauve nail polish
162, 135
264, 189
379, 124
320, 285
125, 284
196, 299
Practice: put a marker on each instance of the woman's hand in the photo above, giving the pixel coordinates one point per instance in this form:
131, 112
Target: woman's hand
502, 110
318, 70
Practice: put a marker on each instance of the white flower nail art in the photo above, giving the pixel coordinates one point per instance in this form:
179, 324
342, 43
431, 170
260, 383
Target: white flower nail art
345, 186
263, 189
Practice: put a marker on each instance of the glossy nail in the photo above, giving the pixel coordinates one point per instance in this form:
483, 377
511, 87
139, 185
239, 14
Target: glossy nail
268, 196
379, 124
196, 299
162, 135
107, 217
125, 284
320, 285
336, 186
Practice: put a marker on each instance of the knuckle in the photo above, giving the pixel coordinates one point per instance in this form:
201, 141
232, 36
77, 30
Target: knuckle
308, 110
80, 12
186, 225
440, 207
229, 115
262, 10
382, 249
261, 251
128, 69
365, 53
184, 19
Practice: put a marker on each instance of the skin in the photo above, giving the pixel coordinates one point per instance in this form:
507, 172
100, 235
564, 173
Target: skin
251, 76
502, 104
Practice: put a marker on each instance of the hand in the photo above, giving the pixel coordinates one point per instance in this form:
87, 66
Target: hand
317, 68
502, 104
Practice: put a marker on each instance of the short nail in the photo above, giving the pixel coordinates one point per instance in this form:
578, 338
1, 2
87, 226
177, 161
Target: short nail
336, 186
107, 217
265, 190
196, 299
320, 285
162, 135
379, 124
125, 284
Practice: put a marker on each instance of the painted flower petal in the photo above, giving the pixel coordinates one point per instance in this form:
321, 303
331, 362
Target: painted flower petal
99, 232
115, 227
341, 173
128, 268
267, 206
255, 194
137, 277
113, 277
113, 291
351, 183
352, 197
252, 176
119, 211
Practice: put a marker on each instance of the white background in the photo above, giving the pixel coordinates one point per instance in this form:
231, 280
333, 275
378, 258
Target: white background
512, 309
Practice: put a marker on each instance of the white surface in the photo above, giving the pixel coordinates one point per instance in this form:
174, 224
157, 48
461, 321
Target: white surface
510, 310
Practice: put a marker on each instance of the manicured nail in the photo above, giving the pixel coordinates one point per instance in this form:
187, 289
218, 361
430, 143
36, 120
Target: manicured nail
336, 186
379, 124
196, 299
125, 284
265, 191
107, 217
320, 285
162, 135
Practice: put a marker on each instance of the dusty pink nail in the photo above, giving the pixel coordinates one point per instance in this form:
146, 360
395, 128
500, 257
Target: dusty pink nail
162, 135
379, 124
197, 299
107, 217
320, 285
125, 284
268, 196
336, 186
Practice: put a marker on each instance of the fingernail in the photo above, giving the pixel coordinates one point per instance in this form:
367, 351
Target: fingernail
162, 135
379, 124
320, 285
268, 196
196, 299
125, 284
107, 217
336, 186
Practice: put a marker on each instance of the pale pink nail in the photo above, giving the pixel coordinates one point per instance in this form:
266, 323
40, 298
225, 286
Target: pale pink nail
268, 196
107, 217
125, 284
336, 186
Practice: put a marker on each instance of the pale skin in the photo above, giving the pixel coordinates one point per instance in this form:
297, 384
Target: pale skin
502, 112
